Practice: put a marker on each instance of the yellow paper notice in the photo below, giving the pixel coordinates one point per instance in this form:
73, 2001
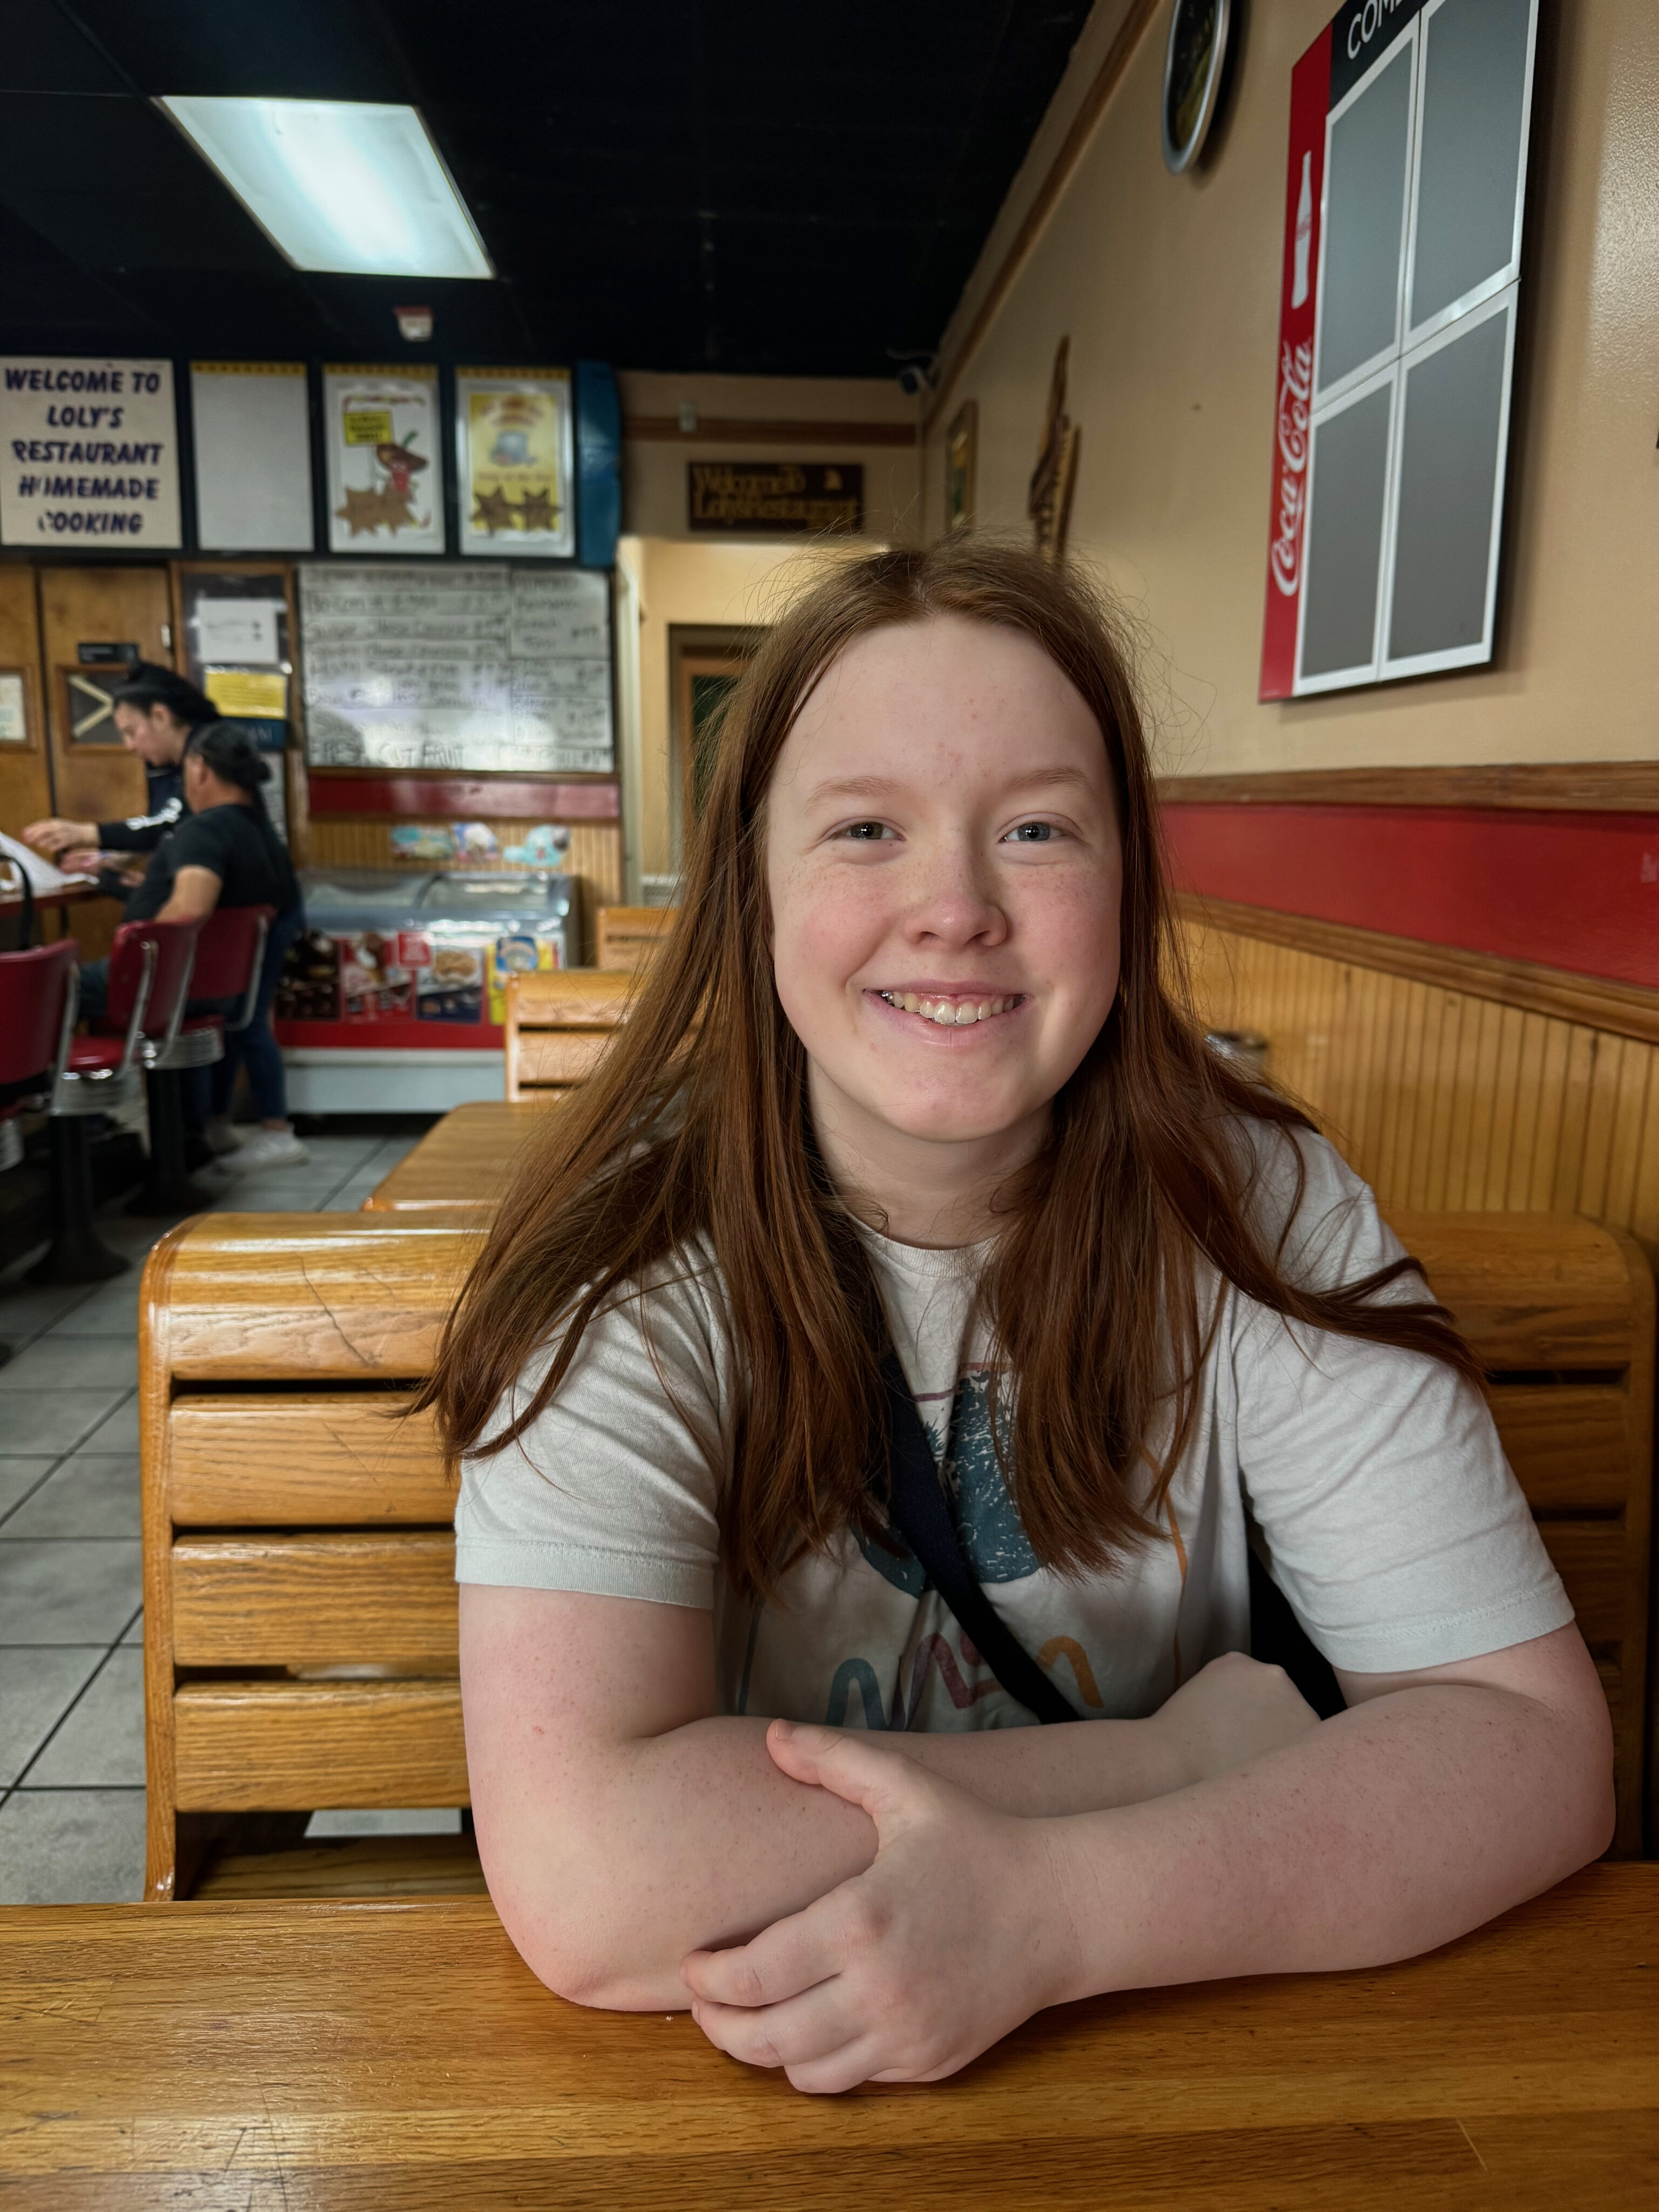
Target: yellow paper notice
368, 426
255, 694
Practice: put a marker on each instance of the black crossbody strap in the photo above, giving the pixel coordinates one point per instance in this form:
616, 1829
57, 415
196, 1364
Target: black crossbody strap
921, 1515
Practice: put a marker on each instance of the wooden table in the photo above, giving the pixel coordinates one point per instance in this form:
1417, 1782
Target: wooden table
466, 1160
375, 2055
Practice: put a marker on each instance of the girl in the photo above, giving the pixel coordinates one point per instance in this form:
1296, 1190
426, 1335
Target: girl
913, 1068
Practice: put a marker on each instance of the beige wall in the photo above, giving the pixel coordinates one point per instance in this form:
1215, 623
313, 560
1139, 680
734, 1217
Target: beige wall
699, 582
653, 468
1168, 288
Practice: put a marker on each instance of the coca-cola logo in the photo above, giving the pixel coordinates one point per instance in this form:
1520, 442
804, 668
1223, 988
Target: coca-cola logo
1295, 385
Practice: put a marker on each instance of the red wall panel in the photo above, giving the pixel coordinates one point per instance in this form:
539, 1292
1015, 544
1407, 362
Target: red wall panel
1579, 891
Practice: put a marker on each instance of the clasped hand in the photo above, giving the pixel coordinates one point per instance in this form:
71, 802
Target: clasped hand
956, 1933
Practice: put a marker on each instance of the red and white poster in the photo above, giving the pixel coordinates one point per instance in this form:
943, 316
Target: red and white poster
1310, 92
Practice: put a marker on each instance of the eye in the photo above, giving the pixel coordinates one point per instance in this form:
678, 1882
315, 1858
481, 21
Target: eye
864, 833
1032, 833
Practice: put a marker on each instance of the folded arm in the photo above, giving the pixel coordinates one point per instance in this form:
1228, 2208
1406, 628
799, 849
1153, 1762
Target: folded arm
623, 1822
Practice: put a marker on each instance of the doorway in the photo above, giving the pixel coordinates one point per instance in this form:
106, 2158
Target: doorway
704, 664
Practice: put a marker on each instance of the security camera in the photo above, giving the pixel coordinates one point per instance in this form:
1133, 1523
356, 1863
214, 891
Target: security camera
916, 378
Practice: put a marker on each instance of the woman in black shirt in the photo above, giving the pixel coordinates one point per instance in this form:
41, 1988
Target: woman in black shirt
225, 853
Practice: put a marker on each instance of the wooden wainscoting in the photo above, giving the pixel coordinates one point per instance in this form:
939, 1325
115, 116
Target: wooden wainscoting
1451, 1081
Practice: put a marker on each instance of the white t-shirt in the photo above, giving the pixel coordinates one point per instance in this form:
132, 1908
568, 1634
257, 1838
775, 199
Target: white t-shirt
1381, 1497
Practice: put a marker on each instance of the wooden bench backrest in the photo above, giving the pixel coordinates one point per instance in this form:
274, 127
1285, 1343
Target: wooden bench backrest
559, 1021
630, 936
299, 1607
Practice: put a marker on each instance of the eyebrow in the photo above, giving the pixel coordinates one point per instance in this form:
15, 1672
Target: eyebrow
877, 786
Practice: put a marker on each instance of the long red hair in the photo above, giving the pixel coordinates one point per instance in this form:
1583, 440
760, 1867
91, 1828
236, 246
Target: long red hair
1102, 1288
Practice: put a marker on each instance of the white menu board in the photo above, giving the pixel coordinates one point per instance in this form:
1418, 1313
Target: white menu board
88, 453
478, 669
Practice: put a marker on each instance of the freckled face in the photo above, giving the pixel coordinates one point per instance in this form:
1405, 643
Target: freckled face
945, 872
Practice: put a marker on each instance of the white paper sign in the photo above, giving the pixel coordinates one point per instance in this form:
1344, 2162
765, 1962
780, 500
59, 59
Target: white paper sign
14, 718
88, 453
252, 425
237, 630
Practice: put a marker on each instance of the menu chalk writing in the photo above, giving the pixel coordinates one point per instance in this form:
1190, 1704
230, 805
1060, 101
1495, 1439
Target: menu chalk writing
481, 669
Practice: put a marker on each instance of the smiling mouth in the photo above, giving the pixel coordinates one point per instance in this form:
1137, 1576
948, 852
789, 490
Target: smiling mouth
953, 1010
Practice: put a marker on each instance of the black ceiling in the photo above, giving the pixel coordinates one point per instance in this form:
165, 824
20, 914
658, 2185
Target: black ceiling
794, 187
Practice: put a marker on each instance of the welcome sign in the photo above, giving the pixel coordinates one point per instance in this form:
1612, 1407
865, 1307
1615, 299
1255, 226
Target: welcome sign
88, 453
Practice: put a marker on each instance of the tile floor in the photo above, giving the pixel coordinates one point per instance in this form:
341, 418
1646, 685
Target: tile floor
71, 1693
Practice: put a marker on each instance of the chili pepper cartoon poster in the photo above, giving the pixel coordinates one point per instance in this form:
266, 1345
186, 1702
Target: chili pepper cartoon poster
514, 457
384, 479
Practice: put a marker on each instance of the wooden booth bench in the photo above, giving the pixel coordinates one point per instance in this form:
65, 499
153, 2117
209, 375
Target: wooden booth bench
300, 1612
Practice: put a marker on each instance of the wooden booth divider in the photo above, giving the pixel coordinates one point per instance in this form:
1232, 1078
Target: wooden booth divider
558, 1023
299, 1611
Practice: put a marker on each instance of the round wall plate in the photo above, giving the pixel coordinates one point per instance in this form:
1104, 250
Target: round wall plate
1192, 77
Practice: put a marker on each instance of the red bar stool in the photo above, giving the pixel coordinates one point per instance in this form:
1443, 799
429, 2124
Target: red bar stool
229, 952
37, 1020
149, 965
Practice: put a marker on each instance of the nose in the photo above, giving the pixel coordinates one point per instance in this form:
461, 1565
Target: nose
955, 898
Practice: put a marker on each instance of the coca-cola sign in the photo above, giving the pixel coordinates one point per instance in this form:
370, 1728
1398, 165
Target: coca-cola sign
1298, 300
1295, 389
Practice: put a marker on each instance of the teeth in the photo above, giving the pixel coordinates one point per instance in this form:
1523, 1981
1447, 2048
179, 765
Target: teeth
942, 1012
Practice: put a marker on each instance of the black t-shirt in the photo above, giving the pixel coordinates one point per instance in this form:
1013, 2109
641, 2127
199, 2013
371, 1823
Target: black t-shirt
164, 801
241, 848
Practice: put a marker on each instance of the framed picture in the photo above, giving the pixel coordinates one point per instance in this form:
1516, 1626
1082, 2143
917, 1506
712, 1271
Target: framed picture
385, 491
14, 709
1048, 500
515, 461
961, 454
89, 706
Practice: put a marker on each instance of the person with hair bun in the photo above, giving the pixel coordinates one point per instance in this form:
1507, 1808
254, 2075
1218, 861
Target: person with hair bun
225, 853
155, 710
908, 1335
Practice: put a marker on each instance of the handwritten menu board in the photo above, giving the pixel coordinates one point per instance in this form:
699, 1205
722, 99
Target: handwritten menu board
482, 668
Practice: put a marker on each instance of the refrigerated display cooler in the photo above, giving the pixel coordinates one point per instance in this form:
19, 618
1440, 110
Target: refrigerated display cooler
393, 996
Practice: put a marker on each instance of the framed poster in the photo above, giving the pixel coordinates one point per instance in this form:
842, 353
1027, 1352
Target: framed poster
14, 709
252, 419
90, 453
386, 492
1399, 294
961, 458
515, 461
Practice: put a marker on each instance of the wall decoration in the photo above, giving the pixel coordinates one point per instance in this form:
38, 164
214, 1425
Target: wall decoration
961, 458
422, 840
1193, 61
482, 669
251, 424
248, 693
89, 705
546, 844
385, 491
1048, 499
773, 499
88, 453
1399, 283
14, 708
515, 458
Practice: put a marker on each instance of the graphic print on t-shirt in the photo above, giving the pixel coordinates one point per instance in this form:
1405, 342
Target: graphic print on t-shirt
996, 1547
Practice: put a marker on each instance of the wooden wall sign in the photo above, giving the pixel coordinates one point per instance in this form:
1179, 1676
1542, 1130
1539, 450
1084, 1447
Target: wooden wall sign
767, 499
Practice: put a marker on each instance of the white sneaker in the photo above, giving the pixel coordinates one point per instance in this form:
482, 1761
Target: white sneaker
268, 1148
221, 1137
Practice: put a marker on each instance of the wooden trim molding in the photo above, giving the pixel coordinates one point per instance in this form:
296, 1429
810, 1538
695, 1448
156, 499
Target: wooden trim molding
763, 430
1072, 149
1566, 787
1626, 1009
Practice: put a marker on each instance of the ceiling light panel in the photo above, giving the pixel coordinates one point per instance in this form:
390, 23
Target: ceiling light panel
356, 189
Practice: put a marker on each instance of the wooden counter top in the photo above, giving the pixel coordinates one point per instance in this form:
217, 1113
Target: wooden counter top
374, 2056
